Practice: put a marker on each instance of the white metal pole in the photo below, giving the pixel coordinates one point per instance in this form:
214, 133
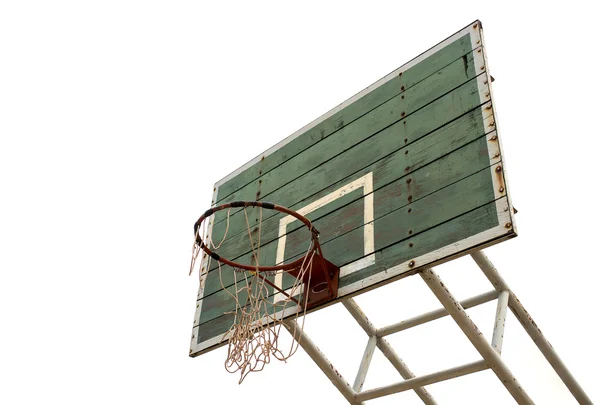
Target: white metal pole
423, 380
386, 349
532, 329
437, 314
359, 316
498, 336
472, 332
364, 364
319, 358
389, 352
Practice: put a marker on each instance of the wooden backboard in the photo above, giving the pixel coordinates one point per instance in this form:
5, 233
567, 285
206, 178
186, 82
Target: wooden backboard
405, 174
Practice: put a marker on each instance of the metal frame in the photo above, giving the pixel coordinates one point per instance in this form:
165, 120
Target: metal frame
489, 351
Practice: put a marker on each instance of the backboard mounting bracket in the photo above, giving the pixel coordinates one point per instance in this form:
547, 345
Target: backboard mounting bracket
489, 351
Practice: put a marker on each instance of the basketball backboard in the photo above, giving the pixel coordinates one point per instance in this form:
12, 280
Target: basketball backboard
405, 174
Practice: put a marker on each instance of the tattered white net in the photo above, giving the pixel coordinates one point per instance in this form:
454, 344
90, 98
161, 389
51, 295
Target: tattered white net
254, 337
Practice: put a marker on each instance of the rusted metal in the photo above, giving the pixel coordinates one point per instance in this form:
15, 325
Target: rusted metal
498, 336
364, 364
320, 283
437, 314
532, 329
423, 380
462, 319
321, 361
320, 286
386, 348
403, 370
243, 204
360, 317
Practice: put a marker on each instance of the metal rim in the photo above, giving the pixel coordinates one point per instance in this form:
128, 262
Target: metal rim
243, 204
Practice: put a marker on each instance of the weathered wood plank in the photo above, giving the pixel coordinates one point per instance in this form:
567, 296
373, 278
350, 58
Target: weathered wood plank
378, 157
391, 188
360, 130
349, 114
421, 216
455, 230
424, 121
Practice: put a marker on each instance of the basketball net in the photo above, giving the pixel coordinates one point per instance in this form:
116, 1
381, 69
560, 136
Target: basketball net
254, 336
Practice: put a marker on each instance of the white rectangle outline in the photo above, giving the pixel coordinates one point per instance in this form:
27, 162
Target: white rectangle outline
506, 227
480, 240
366, 183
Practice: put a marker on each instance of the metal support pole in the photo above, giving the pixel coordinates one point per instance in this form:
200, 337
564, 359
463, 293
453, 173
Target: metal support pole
498, 336
437, 314
462, 319
386, 349
359, 316
364, 364
389, 352
424, 380
532, 329
319, 358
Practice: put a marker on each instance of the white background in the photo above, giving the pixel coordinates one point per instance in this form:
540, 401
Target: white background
116, 118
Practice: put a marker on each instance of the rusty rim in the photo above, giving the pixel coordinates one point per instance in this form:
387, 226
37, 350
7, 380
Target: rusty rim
243, 204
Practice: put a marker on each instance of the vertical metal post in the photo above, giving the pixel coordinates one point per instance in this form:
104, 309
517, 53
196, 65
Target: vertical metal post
364, 364
469, 328
498, 335
532, 329
320, 360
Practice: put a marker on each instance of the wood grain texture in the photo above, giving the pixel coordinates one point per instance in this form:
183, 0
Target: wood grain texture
422, 136
401, 133
420, 216
434, 169
452, 231
409, 78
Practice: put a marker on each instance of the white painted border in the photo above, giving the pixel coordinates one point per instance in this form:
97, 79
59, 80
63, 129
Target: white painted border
366, 183
495, 145
217, 340
205, 265
385, 79
437, 255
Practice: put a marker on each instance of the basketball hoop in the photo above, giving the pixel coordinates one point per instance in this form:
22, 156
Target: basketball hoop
254, 335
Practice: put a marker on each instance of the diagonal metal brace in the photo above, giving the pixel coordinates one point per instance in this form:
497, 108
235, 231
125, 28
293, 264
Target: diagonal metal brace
385, 348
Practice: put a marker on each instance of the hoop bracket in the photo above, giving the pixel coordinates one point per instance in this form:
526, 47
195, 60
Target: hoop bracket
320, 284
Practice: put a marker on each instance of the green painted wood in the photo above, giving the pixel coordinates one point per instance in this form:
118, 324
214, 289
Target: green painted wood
399, 107
362, 129
268, 255
391, 189
424, 121
420, 216
446, 233
350, 113
344, 169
